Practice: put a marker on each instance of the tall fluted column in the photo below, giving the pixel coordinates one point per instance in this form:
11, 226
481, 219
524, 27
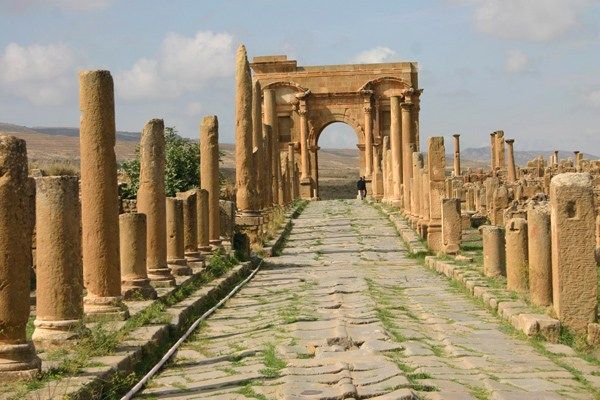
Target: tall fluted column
512, 173
408, 146
17, 354
368, 140
99, 197
209, 175
457, 171
271, 120
396, 150
151, 201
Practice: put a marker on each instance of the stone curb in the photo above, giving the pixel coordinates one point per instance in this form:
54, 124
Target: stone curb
516, 312
274, 245
152, 341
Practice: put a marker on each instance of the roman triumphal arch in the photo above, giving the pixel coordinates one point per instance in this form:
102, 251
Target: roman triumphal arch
376, 100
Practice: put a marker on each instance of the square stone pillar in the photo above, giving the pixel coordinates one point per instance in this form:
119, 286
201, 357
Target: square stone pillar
436, 157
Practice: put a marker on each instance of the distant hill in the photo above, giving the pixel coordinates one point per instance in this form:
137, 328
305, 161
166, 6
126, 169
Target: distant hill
121, 135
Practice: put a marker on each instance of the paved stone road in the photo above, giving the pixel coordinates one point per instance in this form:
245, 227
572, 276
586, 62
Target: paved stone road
344, 313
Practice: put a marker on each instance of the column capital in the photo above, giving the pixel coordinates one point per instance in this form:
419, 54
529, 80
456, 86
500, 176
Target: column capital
456, 135
509, 141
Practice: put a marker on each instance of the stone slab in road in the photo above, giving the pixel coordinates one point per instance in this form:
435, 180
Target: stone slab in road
345, 313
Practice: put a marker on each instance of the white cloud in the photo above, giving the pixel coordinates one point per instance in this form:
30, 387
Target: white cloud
592, 98
63, 5
44, 75
517, 61
193, 108
378, 54
535, 20
183, 65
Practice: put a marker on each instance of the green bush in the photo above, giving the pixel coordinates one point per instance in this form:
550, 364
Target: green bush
182, 162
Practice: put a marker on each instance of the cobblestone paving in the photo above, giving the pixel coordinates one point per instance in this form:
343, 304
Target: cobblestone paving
345, 313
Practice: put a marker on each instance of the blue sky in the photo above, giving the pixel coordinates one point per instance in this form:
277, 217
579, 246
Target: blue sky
529, 67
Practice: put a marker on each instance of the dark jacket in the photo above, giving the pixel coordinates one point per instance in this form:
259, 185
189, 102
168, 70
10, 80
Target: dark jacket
361, 185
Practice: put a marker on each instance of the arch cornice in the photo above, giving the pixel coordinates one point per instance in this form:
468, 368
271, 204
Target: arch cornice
369, 85
276, 84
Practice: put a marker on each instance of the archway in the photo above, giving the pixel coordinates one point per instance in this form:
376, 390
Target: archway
338, 161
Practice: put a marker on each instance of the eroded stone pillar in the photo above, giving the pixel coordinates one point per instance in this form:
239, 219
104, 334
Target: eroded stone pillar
396, 150
500, 160
292, 170
203, 221
408, 147
268, 166
271, 121
175, 240
368, 139
512, 172
190, 226
451, 225
436, 160
494, 250
17, 355
493, 152
209, 175
516, 254
59, 269
540, 255
151, 201
456, 141
574, 275
135, 284
258, 146
377, 182
99, 197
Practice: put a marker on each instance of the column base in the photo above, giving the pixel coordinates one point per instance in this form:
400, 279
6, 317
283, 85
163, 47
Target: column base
137, 290
49, 334
161, 277
434, 237
179, 267
216, 245
18, 362
250, 224
306, 188
107, 308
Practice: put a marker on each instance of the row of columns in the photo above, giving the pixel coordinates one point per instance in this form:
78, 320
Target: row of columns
86, 243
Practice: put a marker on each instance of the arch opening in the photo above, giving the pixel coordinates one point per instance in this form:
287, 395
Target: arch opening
339, 161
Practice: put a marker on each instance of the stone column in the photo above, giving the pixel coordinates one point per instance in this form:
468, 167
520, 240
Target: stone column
99, 197
512, 172
292, 170
245, 171
451, 226
203, 221
493, 152
268, 166
516, 255
494, 251
396, 149
305, 181
417, 165
578, 159
385, 167
408, 147
59, 273
540, 255
17, 355
257, 145
436, 160
135, 284
457, 171
314, 162
271, 120
424, 222
209, 175
175, 241
574, 275
500, 161
151, 201
190, 226
368, 139
377, 180
555, 163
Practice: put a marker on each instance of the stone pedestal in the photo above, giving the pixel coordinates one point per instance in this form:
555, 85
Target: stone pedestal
250, 225
99, 198
151, 202
516, 255
59, 270
451, 225
574, 275
17, 355
135, 284
175, 242
494, 250
540, 255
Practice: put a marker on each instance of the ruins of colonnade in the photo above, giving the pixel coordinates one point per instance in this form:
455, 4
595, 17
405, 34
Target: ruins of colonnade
539, 223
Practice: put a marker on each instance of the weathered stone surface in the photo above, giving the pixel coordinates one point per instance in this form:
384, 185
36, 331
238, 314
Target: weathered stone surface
516, 255
494, 251
574, 276
539, 255
209, 175
17, 355
451, 225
